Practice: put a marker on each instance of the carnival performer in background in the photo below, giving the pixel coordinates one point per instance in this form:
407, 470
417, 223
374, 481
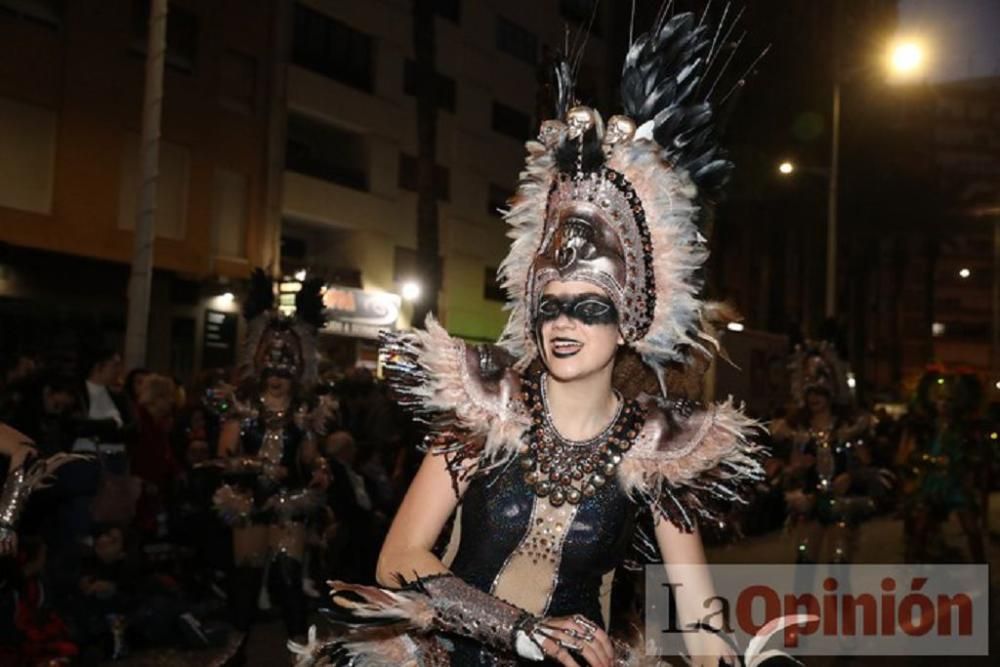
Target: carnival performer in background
551, 462
942, 459
26, 473
270, 454
830, 483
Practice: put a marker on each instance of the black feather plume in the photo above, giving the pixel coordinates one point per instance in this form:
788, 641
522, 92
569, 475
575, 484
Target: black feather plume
260, 297
663, 77
309, 303
565, 87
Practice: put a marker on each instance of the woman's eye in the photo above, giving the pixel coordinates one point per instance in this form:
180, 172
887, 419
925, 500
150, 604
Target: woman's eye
591, 309
548, 309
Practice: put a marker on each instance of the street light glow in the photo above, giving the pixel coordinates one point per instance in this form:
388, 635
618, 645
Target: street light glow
735, 326
300, 275
226, 298
964, 273
411, 290
906, 58
786, 167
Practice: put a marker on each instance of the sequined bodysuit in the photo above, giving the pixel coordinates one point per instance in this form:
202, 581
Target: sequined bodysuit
549, 561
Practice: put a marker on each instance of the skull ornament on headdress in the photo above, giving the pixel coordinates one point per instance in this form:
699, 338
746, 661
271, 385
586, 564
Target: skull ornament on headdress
278, 344
615, 204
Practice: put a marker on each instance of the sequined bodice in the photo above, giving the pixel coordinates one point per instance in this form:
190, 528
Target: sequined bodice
552, 559
275, 437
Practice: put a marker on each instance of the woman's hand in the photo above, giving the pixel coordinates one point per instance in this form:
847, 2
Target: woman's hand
569, 637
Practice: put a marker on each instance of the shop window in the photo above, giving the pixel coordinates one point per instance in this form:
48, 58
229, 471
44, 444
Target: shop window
328, 152
408, 177
331, 48
444, 86
516, 41
511, 122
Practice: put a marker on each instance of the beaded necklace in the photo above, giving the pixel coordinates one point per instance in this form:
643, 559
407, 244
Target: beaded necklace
568, 471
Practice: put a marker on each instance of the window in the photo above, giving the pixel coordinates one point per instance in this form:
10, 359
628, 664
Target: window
445, 86
27, 156
408, 177
171, 187
46, 12
516, 41
511, 122
182, 35
491, 285
229, 213
497, 201
333, 49
238, 81
327, 152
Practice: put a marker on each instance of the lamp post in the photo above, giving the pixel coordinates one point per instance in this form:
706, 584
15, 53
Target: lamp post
905, 61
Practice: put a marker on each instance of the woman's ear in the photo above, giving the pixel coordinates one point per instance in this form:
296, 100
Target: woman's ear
621, 338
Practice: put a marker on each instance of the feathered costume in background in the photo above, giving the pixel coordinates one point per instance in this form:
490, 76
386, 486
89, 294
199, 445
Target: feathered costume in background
614, 204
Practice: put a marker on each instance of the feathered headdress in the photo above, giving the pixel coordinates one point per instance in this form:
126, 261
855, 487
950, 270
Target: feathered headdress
615, 204
818, 367
278, 343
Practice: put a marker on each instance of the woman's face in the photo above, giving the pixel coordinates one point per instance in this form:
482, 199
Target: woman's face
577, 327
818, 401
278, 385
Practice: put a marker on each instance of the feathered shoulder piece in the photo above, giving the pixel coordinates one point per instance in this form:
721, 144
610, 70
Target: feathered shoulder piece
469, 394
691, 464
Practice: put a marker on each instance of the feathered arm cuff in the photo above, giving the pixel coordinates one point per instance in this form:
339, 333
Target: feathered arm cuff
20, 484
459, 388
438, 603
693, 465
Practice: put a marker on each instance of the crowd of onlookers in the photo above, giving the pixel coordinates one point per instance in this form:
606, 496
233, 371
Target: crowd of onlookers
123, 549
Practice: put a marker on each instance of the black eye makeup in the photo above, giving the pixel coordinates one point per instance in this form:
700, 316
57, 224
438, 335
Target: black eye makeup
589, 309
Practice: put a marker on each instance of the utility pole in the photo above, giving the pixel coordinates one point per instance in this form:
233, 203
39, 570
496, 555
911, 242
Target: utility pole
140, 280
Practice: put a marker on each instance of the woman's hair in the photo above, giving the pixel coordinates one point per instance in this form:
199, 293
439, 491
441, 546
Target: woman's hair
156, 387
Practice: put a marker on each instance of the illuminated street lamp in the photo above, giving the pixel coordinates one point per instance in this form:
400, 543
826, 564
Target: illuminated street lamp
906, 58
786, 168
411, 290
964, 273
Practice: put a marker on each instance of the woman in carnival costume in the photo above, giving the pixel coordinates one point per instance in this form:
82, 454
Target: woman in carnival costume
269, 453
941, 461
550, 465
830, 483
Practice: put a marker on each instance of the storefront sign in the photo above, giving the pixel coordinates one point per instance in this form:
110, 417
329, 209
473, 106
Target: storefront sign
219, 339
359, 313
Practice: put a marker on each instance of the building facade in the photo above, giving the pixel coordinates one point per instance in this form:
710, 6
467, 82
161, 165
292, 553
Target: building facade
71, 95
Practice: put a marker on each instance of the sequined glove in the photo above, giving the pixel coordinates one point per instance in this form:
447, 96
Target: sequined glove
445, 603
465, 610
12, 500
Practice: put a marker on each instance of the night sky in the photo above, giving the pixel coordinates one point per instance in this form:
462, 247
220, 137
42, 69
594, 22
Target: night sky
963, 36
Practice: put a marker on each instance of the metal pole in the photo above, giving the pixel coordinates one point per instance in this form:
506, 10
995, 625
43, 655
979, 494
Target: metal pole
831, 207
995, 356
141, 277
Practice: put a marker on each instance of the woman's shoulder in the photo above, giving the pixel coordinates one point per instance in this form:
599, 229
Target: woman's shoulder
686, 455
